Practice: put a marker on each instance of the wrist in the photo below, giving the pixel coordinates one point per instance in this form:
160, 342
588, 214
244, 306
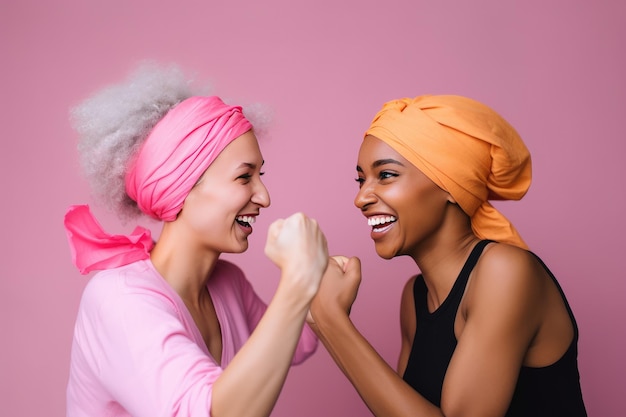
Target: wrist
329, 318
296, 292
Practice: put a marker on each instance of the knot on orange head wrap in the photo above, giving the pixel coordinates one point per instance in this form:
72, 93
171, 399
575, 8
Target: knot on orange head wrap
178, 150
467, 149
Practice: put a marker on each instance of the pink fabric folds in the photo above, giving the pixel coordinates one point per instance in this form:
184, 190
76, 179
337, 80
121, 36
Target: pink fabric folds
92, 248
177, 151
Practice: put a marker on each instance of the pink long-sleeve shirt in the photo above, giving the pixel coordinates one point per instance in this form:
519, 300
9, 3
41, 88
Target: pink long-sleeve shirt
137, 351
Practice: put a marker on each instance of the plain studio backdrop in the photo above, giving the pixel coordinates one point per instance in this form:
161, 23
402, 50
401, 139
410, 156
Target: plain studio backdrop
554, 69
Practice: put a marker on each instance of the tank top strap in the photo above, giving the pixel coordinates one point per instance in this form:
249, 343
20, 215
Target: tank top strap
456, 293
562, 293
472, 259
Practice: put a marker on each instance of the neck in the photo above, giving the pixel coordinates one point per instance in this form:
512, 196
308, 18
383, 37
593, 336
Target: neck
441, 257
184, 264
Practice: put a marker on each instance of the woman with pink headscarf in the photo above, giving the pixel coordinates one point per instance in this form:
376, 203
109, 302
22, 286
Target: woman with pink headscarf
486, 329
167, 328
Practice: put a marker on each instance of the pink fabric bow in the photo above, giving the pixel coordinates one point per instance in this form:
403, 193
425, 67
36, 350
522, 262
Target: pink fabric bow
178, 150
93, 249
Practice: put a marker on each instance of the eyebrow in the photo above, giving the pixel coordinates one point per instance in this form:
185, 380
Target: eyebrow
380, 162
250, 165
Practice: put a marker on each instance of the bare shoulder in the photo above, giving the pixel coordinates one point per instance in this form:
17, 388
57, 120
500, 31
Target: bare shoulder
508, 273
408, 323
407, 291
407, 304
503, 257
501, 261
407, 310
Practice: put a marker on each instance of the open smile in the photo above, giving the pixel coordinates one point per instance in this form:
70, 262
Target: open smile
381, 224
246, 222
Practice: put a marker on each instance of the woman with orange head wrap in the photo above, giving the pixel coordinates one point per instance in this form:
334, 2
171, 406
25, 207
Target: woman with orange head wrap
486, 329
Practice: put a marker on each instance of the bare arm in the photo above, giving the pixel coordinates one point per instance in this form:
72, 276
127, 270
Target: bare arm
503, 312
250, 385
381, 388
500, 322
407, 325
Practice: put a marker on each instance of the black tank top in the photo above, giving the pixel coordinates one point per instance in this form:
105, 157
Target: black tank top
552, 391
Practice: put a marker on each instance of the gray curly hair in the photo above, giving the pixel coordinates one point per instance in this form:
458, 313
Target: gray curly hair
113, 124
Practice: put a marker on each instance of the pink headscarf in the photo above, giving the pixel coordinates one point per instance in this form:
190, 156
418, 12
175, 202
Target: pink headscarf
172, 159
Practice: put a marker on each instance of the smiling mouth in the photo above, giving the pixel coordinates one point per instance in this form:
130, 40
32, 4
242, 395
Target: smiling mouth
381, 223
246, 221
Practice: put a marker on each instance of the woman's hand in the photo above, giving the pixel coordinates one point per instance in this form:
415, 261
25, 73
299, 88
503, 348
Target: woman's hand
251, 383
298, 247
338, 289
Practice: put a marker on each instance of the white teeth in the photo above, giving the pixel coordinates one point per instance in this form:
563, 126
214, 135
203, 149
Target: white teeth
246, 219
375, 221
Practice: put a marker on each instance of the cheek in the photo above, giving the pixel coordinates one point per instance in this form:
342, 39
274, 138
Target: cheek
426, 201
409, 197
201, 204
196, 214
400, 196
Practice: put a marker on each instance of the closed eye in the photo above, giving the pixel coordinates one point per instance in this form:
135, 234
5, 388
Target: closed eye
248, 176
249, 168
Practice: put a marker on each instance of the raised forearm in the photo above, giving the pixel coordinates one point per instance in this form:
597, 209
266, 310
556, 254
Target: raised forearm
380, 387
250, 386
251, 383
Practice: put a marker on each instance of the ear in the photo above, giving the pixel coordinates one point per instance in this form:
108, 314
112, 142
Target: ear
451, 199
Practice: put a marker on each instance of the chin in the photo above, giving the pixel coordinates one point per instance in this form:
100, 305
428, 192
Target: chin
241, 248
385, 254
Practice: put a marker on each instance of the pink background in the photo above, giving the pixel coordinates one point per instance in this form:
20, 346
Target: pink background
555, 69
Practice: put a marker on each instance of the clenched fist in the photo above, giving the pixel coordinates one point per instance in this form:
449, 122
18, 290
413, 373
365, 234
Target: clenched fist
338, 289
298, 247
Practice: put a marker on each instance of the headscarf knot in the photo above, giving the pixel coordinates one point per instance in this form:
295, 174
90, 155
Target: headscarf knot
467, 149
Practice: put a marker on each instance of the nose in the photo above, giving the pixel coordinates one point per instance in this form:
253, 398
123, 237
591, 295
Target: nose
364, 197
261, 196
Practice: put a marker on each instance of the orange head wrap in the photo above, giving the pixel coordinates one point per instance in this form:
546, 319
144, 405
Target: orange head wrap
467, 149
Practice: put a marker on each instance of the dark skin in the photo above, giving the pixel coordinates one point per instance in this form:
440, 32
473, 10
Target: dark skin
511, 314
